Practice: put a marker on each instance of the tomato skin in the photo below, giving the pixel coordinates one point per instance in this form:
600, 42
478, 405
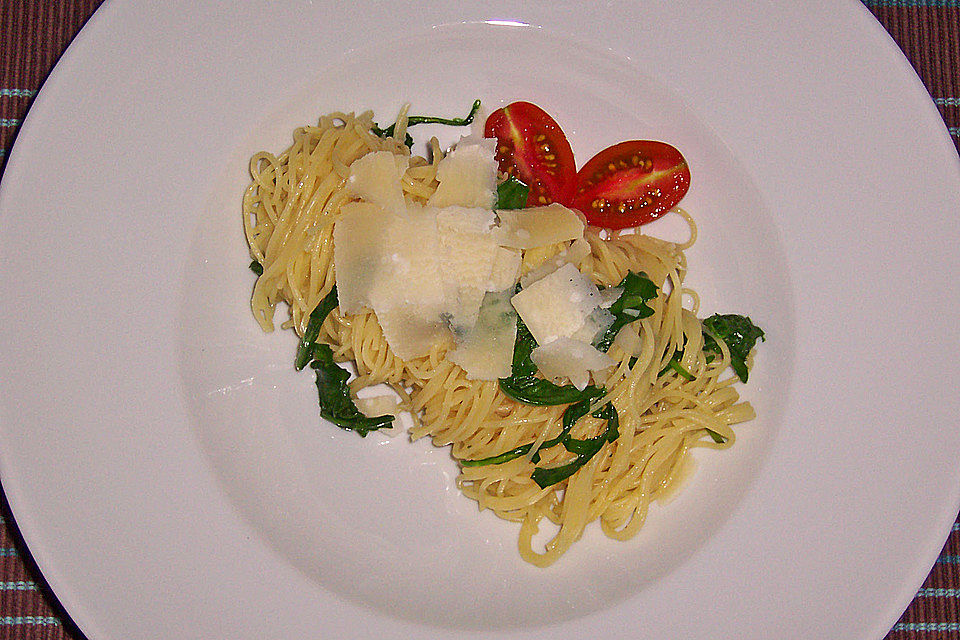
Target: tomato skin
531, 147
631, 183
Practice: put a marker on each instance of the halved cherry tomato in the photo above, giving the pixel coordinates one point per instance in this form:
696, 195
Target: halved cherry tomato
532, 148
631, 183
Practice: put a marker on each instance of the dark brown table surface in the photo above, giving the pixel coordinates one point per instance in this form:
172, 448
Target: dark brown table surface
33, 35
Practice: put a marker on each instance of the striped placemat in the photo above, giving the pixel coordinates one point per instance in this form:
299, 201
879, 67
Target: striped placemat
33, 34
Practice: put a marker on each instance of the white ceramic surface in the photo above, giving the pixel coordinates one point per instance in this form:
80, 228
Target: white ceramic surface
167, 467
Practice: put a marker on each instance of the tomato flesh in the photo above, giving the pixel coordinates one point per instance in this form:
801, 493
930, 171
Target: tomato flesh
631, 183
531, 147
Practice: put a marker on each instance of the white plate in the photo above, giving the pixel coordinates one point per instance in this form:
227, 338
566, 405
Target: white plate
167, 467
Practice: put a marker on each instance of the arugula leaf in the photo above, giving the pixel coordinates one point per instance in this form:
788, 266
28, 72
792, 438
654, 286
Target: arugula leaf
523, 385
336, 404
675, 365
524, 345
630, 306
738, 333
507, 456
543, 393
511, 194
585, 449
570, 416
572, 413
414, 120
256, 267
309, 341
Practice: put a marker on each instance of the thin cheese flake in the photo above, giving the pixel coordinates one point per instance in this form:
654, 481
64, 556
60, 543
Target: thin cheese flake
467, 254
376, 178
467, 175
558, 304
374, 406
574, 254
537, 226
390, 263
570, 358
506, 269
362, 245
486, 351
409, 331
594, 325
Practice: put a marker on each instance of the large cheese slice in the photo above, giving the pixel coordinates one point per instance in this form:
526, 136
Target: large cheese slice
557, 305
594, 325
410, 329
485, 352
506, 269
573, 254
468, 175
376, 177
362, 250
571, 359
537, 226
390, 263
467, 255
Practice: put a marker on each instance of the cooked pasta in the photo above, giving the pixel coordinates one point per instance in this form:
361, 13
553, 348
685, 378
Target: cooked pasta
290, 210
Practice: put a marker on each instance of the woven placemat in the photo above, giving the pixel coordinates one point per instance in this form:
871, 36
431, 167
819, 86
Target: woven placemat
33, 35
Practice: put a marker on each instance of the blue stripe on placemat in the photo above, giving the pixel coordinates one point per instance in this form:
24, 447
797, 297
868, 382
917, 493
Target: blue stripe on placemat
8, 552
17, 93
954, 131
947, 102
938, 593
18, 585
35, 620
948, 559
926, 626
9, 122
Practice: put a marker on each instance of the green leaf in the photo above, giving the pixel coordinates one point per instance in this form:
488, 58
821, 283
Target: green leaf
499, 459
336, 404
675, 365
523, 346
524, 386
638, 289
738, 333
572, 413
511, 194
256, 267
570, 416
584, 449
309, 340
543, 393
415, 120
